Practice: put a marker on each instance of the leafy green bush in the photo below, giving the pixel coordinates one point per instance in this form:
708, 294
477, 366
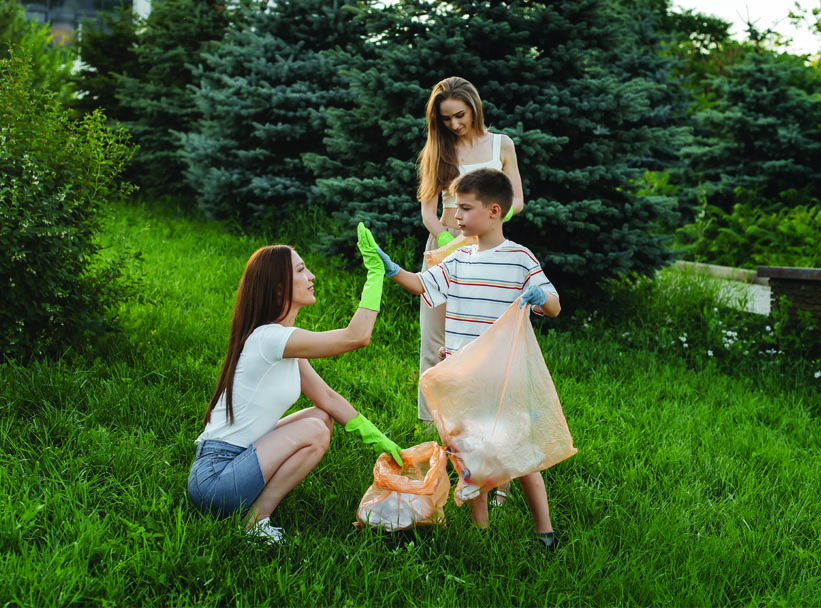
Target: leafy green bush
50, 63
57, 176
757, 233
682, 315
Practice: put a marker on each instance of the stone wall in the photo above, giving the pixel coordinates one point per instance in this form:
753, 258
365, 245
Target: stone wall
801, 286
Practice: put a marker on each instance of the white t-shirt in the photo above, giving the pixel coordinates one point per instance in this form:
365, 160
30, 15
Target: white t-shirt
479, 286
265, 385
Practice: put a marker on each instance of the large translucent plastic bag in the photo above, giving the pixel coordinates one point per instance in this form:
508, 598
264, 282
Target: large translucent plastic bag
414, 494
495, 407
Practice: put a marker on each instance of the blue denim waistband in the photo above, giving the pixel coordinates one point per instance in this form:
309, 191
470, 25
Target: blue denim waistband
211, 446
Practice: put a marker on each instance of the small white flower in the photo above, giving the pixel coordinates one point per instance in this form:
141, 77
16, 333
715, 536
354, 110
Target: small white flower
818, 374
709, 353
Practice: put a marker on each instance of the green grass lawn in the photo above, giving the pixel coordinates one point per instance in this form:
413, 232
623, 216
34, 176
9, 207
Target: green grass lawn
695, 484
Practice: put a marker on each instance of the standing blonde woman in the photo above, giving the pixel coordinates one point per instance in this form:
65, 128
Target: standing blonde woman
457, 142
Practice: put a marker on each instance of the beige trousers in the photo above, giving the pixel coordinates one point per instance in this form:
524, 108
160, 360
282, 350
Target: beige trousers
432, 335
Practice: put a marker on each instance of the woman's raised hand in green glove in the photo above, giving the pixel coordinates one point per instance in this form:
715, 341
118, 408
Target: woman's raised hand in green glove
390, 267
372, 291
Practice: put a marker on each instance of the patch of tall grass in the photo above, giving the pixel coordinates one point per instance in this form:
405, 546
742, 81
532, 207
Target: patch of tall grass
695, 482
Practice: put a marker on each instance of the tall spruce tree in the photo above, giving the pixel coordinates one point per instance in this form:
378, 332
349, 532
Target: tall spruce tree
106, 48
762, 134
542, 70
51, 63
173, 38
262, 93
647, 56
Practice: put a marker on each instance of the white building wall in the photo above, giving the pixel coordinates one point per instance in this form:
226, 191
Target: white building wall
142, 8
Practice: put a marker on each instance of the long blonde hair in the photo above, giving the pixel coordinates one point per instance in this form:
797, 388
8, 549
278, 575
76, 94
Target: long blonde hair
439, 161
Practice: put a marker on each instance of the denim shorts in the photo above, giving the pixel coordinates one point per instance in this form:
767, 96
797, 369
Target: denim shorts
224, 478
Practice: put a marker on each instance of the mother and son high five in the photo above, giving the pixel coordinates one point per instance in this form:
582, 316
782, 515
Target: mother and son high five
249, 456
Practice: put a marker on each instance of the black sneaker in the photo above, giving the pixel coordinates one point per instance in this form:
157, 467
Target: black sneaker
548, 541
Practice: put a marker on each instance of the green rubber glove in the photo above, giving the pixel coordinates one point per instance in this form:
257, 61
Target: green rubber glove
372, 291
370, 434
509, 214
444, 238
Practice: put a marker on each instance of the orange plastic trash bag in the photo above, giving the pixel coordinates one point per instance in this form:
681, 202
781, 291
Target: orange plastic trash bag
495, 407
403, 497
435, 256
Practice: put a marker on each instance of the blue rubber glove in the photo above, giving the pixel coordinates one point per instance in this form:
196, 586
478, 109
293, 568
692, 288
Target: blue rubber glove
365, 236
391, 267
533, 295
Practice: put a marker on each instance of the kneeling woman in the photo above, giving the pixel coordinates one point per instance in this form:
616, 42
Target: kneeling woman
249, 457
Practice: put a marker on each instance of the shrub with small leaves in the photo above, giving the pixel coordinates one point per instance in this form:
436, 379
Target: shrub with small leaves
51, 62
782, 232
56, 177
682, 314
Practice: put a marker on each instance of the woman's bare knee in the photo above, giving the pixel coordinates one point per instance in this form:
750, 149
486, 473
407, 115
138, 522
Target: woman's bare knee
325, 417
320, 432
305, 432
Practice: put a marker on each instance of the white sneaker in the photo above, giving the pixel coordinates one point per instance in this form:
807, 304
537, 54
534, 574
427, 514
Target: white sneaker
263, 529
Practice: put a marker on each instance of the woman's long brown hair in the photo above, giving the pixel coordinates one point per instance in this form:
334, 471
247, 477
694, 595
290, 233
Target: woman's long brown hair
264, 296
438, 161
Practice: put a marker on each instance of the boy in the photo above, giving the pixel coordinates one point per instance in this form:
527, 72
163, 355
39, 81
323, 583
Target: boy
479, 283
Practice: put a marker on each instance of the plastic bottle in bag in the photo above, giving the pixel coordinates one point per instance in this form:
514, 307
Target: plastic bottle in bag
435, 256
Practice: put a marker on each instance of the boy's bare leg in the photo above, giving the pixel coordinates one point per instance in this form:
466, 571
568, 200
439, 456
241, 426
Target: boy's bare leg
478, 510
536, 496
501, 494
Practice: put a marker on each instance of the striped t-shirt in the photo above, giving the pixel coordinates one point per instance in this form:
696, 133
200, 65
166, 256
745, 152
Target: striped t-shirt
479, 286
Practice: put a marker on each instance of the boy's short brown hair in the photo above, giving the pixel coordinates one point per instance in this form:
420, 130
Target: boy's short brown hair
487, 185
